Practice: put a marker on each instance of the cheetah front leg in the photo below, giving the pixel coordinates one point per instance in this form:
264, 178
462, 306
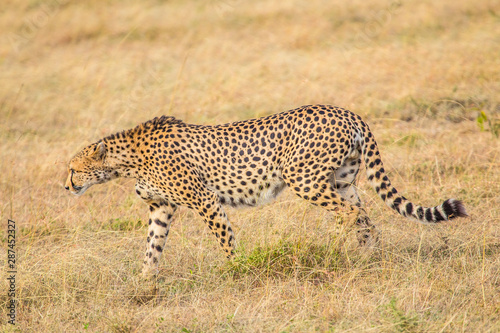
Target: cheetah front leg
209, 208
161, 213
160, 218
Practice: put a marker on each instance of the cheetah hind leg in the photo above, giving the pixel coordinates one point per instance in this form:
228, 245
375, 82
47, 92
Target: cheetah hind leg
367, 234
324, 194
344, 180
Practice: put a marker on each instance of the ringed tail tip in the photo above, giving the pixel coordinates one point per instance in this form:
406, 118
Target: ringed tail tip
454, 208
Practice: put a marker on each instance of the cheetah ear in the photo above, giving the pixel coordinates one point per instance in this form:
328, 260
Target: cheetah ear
99, 152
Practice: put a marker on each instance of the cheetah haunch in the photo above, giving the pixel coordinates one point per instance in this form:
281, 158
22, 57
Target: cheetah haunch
314, 150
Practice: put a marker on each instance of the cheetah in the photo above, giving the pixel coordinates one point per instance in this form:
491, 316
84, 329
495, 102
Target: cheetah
315, 150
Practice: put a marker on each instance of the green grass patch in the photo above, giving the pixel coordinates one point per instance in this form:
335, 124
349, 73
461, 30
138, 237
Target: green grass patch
120, 224
402, 321
287, 258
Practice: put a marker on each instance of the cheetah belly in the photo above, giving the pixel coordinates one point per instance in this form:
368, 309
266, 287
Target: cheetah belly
255, 193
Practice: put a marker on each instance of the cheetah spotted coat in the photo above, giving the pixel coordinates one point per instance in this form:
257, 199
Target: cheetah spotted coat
315, 151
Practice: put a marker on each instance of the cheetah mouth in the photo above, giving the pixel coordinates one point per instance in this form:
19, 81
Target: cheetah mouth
79, 190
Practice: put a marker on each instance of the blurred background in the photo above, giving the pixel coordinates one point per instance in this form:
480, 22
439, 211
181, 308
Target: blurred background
424, 74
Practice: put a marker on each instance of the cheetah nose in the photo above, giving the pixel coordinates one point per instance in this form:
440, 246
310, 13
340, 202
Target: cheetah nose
66, 187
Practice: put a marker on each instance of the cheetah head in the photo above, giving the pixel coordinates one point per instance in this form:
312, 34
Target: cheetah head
88, 168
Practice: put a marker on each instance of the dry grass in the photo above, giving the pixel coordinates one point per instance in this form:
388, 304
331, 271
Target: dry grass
419, 71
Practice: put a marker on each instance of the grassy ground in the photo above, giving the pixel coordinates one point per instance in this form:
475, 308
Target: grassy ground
420, 72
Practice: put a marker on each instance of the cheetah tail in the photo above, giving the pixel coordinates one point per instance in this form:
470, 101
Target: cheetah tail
377, 177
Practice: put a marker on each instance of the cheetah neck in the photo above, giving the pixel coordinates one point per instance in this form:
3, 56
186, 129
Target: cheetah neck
128, 151
123, 154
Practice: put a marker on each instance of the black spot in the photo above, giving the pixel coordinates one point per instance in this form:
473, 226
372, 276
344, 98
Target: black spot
397, 202
160, 223
420, 213
409, 208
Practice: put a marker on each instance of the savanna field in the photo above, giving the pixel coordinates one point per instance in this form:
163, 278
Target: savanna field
425, 75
